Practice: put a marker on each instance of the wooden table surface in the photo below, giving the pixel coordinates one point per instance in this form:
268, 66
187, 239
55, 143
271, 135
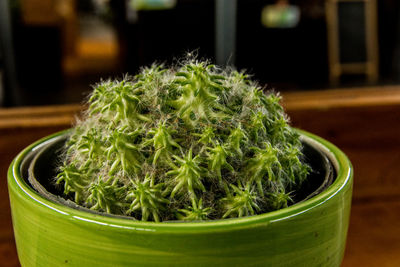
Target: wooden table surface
364, 123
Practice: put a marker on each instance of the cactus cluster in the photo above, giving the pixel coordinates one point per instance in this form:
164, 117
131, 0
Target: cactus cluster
189, 142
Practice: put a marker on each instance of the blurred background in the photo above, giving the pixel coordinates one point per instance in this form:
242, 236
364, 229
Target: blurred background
51, 51
336, 62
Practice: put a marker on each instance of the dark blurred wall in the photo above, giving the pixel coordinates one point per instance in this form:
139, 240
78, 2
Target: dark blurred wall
289, 56
163, 35
292, 58
389, 33
38, 44
39, 54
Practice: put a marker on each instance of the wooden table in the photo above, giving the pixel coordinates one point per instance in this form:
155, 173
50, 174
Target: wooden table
364, 123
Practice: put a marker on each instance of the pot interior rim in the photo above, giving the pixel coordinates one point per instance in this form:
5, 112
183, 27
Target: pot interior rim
341, 163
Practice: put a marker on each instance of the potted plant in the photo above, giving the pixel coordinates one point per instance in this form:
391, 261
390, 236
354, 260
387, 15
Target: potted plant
190, 165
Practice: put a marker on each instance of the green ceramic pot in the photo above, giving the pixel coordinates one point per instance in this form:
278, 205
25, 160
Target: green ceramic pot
50, 232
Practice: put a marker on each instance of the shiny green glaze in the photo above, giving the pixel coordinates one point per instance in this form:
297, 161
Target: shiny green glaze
311, 233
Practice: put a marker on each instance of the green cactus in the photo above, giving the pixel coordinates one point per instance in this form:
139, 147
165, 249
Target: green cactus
241, 202
196, 212
147, 197
190, 142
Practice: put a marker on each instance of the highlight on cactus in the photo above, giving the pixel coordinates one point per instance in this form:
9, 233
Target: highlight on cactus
190, 142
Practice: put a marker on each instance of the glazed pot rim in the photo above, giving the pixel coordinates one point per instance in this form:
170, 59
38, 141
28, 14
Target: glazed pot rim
341, 163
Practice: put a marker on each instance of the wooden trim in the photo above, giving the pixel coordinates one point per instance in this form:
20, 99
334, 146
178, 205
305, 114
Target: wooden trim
370, 66
333, 41
371, 31
340, 98
43, 116
64, 115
